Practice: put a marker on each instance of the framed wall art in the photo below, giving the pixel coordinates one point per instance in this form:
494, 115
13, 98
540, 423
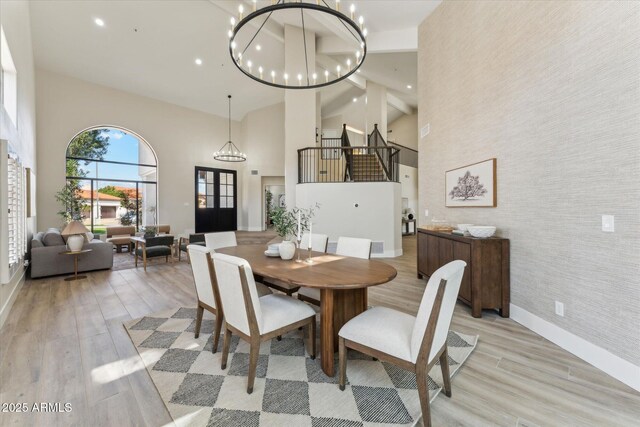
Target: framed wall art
472, 185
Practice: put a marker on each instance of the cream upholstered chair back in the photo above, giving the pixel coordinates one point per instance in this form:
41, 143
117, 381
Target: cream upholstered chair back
318, 242
452, 273
354, 247
202, 273
228, 270
223, 239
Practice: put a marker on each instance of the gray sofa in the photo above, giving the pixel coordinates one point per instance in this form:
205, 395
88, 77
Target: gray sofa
47, 260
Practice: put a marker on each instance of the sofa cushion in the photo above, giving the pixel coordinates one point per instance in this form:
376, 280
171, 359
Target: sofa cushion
36, 241
53, 238
155, 251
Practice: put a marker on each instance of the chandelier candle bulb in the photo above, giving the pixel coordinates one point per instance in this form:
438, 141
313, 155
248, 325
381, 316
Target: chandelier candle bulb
249, 64
338, 5
260, 71
240, 11
286, 78
349, 64
273, 76
353, 10
364, 32
314, 76
233, 22
361, 21
254, 5
338, 68
300, 79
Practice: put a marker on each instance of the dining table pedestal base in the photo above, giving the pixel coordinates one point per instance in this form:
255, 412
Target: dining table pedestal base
337, 307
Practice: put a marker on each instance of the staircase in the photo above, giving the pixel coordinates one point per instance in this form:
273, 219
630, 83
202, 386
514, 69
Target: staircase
367, 167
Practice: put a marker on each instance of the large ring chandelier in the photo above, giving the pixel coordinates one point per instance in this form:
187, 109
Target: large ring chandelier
249, 34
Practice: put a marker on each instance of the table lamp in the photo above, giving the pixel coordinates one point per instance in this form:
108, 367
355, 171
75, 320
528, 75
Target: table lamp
76, 231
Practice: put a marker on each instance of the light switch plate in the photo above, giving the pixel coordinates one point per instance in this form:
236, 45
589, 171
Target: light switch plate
608, 223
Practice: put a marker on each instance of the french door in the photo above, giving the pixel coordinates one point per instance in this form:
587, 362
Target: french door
216, 200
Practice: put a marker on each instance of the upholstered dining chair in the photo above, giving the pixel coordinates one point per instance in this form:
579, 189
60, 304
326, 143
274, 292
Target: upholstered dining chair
206, 290
256, 319
347, 246
193, 239
154, 247
318, 244
226, 239
412, 343
223, 239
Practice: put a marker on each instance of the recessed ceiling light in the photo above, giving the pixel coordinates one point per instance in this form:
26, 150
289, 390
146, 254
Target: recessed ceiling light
409, 86
198, 61
258, 47
99, 22
355, 99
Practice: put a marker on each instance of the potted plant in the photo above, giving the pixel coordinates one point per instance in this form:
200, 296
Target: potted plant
150, 231
285, 223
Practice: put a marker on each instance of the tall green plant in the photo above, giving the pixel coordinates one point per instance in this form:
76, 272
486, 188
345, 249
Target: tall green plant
71, 200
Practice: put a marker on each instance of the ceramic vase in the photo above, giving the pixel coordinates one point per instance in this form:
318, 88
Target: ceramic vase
75, 242
287, 249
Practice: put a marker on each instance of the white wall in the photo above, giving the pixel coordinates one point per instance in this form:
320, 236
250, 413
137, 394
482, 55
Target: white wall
551, 90
263, 141
409, 182
182, 138
377, 217
405, 131
22, 138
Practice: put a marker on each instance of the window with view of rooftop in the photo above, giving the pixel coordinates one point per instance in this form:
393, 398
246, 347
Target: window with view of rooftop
111, 180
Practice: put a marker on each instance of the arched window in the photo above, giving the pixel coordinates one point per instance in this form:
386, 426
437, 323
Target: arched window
111, 179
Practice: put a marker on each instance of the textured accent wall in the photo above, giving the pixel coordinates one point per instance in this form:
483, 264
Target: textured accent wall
552, 90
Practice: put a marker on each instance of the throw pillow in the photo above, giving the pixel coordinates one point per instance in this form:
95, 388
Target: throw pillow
53, 238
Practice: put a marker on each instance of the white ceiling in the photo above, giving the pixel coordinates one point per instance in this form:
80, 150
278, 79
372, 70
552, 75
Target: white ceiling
149, 48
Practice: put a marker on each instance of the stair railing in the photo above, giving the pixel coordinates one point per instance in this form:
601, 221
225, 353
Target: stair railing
388, 159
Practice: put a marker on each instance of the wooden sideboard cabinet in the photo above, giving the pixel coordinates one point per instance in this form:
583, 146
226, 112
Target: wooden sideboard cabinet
485, 284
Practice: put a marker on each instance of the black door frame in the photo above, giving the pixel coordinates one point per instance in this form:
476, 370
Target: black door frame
216, 198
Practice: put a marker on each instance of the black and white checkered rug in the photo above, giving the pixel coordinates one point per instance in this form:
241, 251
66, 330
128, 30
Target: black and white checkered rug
290, 389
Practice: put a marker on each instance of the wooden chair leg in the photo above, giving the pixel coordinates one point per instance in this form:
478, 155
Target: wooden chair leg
342, 359
199, 314
225, 348
254, 352
312, 337
446, 377
422, 378
179, 254
216, 332
144, 259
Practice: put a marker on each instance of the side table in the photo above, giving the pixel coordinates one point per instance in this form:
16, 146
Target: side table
75, 263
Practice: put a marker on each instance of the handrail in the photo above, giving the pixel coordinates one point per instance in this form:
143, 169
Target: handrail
352, 164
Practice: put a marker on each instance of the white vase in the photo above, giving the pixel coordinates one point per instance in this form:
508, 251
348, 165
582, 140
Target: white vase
287, 249
75, 242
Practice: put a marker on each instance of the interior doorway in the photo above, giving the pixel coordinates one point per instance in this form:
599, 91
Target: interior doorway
272, 197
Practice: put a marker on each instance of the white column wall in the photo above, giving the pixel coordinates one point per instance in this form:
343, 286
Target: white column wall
300, 106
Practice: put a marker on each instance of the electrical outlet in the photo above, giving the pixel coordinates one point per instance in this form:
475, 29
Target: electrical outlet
559, 309
426, 212
608, 223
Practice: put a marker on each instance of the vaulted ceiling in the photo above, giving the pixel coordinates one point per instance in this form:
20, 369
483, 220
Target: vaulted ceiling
149, 48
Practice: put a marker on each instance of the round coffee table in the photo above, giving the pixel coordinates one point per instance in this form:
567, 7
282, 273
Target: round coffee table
75, 263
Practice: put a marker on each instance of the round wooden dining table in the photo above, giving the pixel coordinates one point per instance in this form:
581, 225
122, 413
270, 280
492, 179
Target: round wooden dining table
342, 281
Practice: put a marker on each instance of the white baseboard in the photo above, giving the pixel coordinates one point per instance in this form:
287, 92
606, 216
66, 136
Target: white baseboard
602, 359
388, 254
17, 281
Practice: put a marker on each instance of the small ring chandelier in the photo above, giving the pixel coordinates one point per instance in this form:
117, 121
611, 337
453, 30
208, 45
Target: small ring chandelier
246, 38
229, 152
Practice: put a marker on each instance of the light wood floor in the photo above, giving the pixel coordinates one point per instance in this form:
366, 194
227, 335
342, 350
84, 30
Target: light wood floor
64, 342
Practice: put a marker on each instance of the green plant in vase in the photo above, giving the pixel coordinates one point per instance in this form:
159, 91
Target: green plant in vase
285, 222
150, 231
